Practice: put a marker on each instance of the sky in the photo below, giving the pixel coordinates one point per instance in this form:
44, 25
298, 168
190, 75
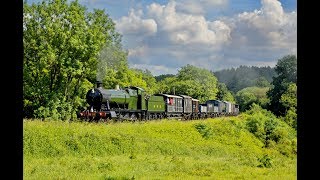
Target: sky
165, 35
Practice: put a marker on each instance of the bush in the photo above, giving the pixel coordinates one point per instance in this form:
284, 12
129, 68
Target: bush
271, 130
56, 110
265, 161
204, 130
291, 118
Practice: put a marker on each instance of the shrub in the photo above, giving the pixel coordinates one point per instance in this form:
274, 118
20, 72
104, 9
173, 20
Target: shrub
204, 130
265, 161
270, 130
291, 118
56, 110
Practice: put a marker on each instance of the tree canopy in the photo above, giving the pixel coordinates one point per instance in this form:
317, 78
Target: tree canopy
224, 94
244, 76
286, 69
62, 41
193, 81
247, 96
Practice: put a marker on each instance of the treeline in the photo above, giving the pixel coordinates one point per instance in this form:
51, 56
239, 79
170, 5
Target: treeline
67, 48
244, 76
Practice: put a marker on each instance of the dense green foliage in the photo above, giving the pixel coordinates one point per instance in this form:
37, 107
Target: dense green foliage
244, 76
196, 82
113, 69
163, 76
221, 148
224, 94
247, 96
289, 101
61, 42
271, 130
283, 93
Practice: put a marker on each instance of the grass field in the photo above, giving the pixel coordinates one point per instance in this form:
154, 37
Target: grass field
218, 148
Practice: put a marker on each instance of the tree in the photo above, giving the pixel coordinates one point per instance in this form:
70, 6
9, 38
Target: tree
289, 97
192, 81
61, 43
247, 96
163, 76
286, 69
262, 82
166, 85
224, 93
150, 80
289, 101
244, 76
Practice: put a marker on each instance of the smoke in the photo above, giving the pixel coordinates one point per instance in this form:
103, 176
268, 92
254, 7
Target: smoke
110, 56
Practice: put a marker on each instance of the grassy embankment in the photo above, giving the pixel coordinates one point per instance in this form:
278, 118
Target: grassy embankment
220, 148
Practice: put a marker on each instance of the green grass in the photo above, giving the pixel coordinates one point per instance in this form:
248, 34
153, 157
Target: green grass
218, 148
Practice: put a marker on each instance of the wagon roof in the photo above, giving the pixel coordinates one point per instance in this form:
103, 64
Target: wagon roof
168, 95
185, 96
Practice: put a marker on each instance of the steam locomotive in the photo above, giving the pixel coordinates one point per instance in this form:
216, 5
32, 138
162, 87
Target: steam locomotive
133, 103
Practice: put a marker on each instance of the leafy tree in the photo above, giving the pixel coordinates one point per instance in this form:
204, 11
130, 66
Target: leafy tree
244, 76
61, 43
163, 76
262, 82
224, 93
205, 84
289, 101
150, 80
247, 96
166, 85
289, 97
286, 69
192, 81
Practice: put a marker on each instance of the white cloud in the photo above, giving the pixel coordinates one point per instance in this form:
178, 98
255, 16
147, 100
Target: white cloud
269, 27
188, 29
134, 25
169, 37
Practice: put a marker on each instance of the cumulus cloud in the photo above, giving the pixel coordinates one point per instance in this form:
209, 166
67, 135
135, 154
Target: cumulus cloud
169, 36
265, 32
133, 24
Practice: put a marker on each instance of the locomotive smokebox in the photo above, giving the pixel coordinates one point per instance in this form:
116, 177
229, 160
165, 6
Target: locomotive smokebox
99, 84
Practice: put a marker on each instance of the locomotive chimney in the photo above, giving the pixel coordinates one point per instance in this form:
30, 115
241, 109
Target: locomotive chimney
99, 84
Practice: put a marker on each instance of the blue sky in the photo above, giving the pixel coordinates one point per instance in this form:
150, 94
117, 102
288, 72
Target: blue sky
163, 35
